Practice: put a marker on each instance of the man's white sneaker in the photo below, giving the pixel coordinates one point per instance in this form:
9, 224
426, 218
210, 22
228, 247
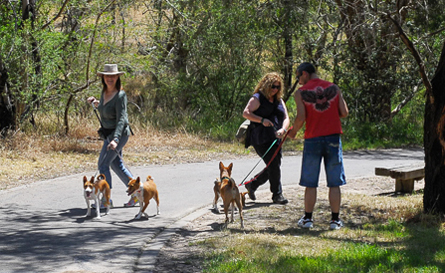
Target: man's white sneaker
305, 223
335, 224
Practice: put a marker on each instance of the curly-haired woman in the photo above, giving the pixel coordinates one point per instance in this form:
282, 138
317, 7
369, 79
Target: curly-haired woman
269, 121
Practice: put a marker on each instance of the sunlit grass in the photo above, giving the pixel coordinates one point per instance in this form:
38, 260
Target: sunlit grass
395, 237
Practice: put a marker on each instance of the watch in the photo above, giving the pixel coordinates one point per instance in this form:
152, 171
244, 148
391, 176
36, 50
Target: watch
116, 140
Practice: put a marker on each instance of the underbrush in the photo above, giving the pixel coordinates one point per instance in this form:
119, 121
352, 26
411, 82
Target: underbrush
44, 151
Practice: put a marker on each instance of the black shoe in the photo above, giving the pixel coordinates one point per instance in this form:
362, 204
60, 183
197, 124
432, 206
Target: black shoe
250, 192
280, 200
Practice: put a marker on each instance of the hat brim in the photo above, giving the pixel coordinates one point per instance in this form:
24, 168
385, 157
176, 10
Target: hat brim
109, 73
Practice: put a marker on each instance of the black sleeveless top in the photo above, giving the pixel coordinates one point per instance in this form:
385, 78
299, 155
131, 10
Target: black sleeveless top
258, 134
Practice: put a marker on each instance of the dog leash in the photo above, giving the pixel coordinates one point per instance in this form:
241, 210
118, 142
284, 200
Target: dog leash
270, 161
95, 112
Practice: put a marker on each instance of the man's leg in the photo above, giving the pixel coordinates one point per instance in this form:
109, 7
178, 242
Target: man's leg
335, 199
310, 197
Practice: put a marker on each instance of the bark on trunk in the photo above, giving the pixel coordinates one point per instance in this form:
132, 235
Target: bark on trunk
434, 143
7, 109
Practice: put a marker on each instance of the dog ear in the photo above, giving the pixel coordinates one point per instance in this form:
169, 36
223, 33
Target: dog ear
138, 180
230, 168
92, 179
221, 165
85, 179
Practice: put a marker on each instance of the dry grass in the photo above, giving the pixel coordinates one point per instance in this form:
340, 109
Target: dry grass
271, 231
30, 155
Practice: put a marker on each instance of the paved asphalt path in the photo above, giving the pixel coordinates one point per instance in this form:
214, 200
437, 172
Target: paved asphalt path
43, 228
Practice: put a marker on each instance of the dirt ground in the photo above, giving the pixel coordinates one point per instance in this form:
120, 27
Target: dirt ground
182, 254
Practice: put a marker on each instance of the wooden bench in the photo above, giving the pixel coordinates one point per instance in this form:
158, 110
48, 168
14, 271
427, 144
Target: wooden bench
404, 175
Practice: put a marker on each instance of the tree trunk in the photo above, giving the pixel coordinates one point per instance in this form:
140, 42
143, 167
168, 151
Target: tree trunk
434, 143
7, 108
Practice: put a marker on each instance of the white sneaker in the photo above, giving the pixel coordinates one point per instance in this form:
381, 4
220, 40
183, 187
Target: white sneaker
305, 223
334, 225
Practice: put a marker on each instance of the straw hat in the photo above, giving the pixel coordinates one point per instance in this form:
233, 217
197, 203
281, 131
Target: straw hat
110, 69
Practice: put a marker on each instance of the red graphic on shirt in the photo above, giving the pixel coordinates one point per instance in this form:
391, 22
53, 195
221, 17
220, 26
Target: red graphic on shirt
320, 97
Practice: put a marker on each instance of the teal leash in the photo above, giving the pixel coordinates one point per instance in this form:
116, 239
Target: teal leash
273, 143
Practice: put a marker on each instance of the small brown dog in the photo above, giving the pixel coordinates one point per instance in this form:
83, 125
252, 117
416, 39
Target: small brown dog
229, 192
94, 190
217, 190
144, 192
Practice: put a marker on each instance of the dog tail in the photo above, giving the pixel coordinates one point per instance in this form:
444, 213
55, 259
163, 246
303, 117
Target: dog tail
101, 177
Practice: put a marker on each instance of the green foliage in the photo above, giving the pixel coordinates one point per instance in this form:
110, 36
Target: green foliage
194, 64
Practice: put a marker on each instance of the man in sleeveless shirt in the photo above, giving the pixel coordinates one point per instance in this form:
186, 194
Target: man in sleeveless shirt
320, 105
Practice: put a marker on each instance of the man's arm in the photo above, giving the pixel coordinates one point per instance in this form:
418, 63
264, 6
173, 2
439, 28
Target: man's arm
301, 115
343, 110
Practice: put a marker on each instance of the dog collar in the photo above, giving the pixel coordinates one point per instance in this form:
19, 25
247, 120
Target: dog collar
225, 177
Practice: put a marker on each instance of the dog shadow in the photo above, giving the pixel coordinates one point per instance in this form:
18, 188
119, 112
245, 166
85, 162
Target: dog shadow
142, 219
249, 205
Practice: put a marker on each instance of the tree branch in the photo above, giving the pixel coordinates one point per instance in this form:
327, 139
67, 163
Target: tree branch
57, 16
409, 44
90, 52
405, 101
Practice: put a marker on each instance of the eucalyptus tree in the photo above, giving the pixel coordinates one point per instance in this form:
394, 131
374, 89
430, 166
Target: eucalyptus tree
424, 37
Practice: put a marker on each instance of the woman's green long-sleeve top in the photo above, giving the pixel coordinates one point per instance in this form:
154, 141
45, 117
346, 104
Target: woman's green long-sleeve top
114, 115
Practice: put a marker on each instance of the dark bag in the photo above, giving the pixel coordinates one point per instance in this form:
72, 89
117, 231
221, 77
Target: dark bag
104, 133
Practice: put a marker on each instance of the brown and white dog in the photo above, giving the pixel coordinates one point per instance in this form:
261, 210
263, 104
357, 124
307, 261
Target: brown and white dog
95, 190
217, 190
229, 192
144, 192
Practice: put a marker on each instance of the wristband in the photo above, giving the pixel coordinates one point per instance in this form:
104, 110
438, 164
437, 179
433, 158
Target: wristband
116, 140
262, 120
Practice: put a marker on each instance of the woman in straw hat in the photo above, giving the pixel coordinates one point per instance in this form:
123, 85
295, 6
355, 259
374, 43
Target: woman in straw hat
112, 107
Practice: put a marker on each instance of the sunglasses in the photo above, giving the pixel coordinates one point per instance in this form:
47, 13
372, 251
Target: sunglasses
275, 87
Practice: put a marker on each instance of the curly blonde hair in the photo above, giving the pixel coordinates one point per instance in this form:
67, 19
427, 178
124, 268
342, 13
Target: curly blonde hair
265, 85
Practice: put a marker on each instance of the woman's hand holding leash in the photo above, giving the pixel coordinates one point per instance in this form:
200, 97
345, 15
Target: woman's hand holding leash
280, 133
112, 145
93, 101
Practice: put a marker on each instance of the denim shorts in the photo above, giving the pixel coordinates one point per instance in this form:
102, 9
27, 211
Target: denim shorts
329, 149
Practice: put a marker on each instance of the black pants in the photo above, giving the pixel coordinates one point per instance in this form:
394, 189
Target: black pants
273, 172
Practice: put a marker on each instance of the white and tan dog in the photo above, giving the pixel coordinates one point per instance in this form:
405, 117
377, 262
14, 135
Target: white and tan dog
144, 192
230, 193
95, 190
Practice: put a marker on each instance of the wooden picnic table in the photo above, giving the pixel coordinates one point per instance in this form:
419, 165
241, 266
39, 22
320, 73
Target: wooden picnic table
404, 175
